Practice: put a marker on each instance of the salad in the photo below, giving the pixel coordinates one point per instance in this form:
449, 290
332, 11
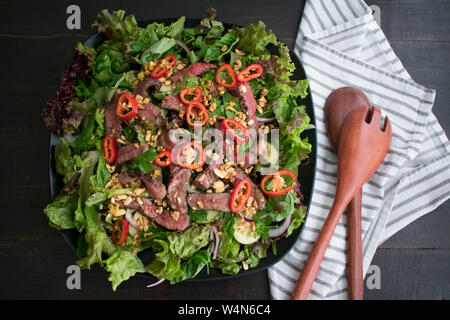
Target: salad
182, 142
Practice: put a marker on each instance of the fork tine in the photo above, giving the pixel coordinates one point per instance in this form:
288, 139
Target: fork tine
387, 128
376, 116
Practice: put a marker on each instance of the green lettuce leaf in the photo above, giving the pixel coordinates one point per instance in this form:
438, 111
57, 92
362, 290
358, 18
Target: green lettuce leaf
213, 27
227, 267
142, 161
166, 265
194, 265
103, 174
298, 217
84, 139
122, 265
175, 29
214, 52
184, 244
229, 247
100, 197
115, 25
87, 170
156, 50
276, 210
97, 239
255, 38
64, 161
61, 211
295, 149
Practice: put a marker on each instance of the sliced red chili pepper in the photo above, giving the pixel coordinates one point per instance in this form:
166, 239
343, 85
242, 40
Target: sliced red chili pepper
283, 189
159, 71
109, 149
237, 130
190, 95
251, 72
229, 81
196, 110
164, 158
196, 157
239, 199
127, 106
168, 61
120, 231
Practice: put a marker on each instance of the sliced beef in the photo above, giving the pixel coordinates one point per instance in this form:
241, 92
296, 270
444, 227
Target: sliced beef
167, 221
155, 186
206, 178
163, 219
152, 115
256, 194
165, 141
144, 207
248, 103
145, 84
213, 90
193, 70
112, 120
130, 177
172, 102
175, 121
176, 190
129, 152
168, 138
210, 201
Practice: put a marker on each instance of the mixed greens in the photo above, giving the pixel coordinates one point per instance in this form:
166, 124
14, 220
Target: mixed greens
213, 238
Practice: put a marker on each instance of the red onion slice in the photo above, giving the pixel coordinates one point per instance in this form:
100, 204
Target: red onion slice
189, 189
181, 44
130, 219
217, 242
277, 232
249, 219
216, 248
156, 283
264, 120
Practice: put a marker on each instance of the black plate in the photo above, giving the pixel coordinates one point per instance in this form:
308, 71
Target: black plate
306, 176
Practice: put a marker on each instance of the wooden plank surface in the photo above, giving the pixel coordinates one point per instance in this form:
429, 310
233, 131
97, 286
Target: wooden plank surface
414, 263
34, 257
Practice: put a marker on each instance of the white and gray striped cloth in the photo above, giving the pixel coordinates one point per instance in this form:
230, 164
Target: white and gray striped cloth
340, 44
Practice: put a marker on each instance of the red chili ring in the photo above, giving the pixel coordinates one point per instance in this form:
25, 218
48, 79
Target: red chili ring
232, 126
196, 92
191, 115
195, 165
282, 172
109, 149
243, 183
127, 106
164, 163
226, 67
253, 71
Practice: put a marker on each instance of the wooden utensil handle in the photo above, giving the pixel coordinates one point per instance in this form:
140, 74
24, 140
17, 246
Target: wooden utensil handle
312, 265
354, 255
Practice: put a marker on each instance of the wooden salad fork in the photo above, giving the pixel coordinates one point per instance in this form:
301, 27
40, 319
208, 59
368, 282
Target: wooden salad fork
339, 104
362, 147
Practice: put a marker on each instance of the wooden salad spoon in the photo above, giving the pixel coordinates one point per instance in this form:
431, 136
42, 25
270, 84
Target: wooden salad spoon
339, 104
362, 147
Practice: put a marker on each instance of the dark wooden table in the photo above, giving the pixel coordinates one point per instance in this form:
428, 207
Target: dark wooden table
36, 45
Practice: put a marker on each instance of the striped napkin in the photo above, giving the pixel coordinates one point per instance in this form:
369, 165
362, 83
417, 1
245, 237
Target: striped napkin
340, 44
